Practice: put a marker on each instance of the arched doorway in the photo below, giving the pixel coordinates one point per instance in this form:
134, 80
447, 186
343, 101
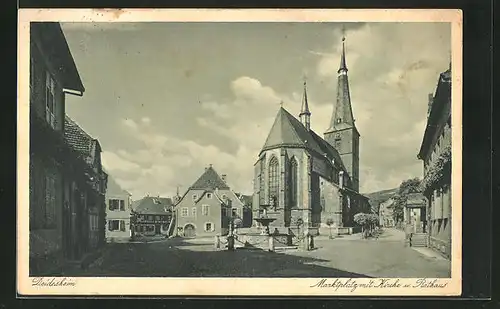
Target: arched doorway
189, 230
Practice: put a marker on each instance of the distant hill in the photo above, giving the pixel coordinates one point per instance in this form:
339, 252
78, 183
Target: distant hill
375, 198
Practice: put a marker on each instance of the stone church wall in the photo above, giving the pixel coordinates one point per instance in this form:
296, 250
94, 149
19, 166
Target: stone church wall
330, 202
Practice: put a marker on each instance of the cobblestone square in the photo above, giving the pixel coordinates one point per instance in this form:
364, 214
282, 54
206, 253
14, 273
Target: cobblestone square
348, 256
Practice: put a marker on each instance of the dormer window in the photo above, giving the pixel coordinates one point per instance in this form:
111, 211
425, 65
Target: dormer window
209, 195
339, 120
195, 197
224, 197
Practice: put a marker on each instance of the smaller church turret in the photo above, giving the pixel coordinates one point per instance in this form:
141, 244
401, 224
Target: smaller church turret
305, 114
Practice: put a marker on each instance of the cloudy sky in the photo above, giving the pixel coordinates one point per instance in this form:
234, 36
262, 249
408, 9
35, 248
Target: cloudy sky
167, 99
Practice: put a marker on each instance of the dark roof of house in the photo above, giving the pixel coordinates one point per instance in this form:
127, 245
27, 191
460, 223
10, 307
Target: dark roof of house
152, 205
78, 139
440, 101
210, 179
55, 46
287, 131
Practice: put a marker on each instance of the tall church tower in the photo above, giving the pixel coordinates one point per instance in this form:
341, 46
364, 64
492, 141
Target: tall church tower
342, 133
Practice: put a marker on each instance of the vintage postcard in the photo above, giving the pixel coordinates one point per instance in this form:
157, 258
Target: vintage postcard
239, 152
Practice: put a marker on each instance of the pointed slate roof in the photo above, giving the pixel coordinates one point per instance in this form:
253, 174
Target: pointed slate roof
210, 179
342, 117
287, 131
343, 65
305, 104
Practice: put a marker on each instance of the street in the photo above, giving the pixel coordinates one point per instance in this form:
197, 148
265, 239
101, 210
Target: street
348, 256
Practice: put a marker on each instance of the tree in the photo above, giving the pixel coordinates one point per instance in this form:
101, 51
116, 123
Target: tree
330, 222
400, 198
367, 223
362, 220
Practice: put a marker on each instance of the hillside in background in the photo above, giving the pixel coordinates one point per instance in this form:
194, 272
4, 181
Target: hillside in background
375, 198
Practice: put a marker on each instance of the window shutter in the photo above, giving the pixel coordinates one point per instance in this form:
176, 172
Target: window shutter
122, 225
110, 226
122, 205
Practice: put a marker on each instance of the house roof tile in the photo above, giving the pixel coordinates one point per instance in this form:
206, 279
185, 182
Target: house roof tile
210, 179
152, 205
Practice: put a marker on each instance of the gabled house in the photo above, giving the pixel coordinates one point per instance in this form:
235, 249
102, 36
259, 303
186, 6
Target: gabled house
207, 207
118, 213
151, 216
59, 222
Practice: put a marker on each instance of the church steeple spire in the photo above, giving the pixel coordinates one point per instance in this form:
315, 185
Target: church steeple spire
343, 66
342, 116
305, 114
342, 133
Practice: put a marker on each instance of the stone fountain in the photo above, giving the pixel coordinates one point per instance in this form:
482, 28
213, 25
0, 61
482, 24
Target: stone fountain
264, 220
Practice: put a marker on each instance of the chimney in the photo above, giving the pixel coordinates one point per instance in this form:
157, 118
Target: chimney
430, 100
224, 177
341, 179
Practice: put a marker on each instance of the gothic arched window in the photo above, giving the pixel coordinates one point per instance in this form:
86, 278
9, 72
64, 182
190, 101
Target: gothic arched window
273, 179
293, 183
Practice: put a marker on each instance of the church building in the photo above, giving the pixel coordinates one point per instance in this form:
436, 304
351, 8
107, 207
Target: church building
304, 179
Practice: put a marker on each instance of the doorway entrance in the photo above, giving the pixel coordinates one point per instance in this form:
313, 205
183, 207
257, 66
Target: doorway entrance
189, 230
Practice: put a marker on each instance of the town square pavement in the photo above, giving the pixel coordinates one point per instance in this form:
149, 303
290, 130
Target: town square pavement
348, 256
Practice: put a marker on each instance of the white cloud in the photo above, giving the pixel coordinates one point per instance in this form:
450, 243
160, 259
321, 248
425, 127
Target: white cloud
115, 162
389, 82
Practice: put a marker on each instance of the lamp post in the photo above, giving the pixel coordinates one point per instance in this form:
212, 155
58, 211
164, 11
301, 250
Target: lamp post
230, 237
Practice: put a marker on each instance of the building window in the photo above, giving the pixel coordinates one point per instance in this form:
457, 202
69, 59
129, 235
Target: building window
273, 178
184, 212
293, 183
234, 212
115, 204
157, 218
113, 225
209, 195
193, 212
50, 102
209, 227
224, 196
195, 197
205, 210
150, 218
